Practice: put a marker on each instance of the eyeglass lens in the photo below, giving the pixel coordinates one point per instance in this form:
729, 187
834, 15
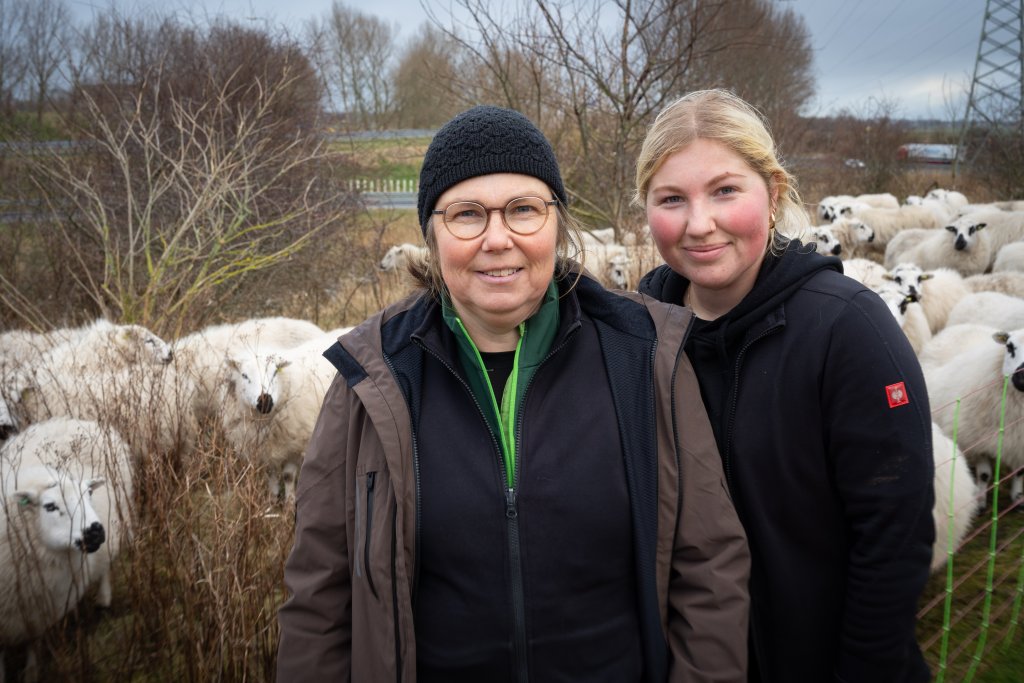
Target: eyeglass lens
523, 215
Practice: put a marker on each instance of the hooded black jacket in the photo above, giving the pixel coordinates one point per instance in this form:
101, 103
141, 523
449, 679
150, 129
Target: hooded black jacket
829, 465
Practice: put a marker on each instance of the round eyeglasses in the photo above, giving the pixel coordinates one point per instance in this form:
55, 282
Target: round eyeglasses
522, 215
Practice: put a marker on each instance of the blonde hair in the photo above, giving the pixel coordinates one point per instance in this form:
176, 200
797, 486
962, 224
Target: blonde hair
721, 116
568, 249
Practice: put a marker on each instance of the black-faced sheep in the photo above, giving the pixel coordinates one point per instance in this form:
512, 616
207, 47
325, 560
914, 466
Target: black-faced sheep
964, 246
938, 291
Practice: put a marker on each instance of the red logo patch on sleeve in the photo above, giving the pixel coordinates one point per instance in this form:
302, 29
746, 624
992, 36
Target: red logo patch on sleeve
897, 395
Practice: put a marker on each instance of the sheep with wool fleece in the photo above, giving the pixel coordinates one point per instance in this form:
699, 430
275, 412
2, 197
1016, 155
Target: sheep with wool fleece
976, 377
1010, 205
887, 222
952, 198
103, 343
956, 496
952, 340
869, 273
1009, 258
964, 247
1005, 282
270, 405
902, 242
66, 490
201, 354
938, 291
598, 236
398, 257
152, 406
853, 236
942, 211
995, 309
1002, 228
908, 314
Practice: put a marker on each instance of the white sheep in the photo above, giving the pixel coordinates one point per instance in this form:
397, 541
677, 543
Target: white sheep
827, 207
887, 222
938, 291
955, 200
152, 406
270, 404
1005, 282
956, 497
853, 236
882, 200
908, 314
66, 487
902, 242
1010, 205
610, 263
201, 354
865, 271
964, 246
988, 308
598, 236
1009, 258
966, 394
823, 239
951, 341
398, 257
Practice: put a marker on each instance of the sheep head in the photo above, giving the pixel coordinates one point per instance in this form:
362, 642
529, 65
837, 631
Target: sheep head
255, 380
65, 518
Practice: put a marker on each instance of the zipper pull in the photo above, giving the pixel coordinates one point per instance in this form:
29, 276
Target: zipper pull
510, 504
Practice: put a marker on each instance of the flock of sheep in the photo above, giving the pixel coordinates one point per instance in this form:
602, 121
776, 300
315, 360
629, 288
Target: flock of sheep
82, 409
952, 274
617, 265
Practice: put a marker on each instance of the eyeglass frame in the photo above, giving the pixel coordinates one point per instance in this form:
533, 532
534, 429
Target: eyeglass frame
488, 211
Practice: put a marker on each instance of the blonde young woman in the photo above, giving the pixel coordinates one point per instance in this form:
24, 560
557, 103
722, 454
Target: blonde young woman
512, 477
817, 402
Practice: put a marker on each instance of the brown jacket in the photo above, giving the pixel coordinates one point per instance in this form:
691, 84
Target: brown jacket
350, 615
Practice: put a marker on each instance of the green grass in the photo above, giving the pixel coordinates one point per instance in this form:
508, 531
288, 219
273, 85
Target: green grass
999, 661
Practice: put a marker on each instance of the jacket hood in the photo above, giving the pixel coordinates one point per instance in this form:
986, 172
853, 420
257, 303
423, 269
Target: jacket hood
779, 277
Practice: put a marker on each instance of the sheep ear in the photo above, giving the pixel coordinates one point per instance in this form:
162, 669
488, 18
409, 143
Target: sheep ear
979, 226
927, 276
26, 498
232, 363
93, 484
951, 228
887, 276
1001, 337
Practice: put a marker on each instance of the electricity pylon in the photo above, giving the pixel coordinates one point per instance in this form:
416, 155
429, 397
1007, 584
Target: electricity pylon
997, 90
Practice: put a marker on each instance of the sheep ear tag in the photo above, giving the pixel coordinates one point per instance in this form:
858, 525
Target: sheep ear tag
897, 395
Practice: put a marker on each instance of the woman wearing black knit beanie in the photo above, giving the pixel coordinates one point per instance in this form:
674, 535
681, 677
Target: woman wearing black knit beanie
512, 477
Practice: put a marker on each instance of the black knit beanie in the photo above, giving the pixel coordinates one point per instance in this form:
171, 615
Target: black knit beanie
485, 140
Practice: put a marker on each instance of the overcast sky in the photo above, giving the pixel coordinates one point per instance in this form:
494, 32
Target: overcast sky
918, 53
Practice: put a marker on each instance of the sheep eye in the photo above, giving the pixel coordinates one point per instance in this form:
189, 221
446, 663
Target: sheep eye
50, 507
1012, 349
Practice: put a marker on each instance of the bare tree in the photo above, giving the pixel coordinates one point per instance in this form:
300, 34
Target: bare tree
423, 79
354, 52
187, 182
12, 51
595, 76
46, 33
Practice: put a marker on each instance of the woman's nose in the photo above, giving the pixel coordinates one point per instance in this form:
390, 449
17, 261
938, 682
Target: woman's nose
496, 235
